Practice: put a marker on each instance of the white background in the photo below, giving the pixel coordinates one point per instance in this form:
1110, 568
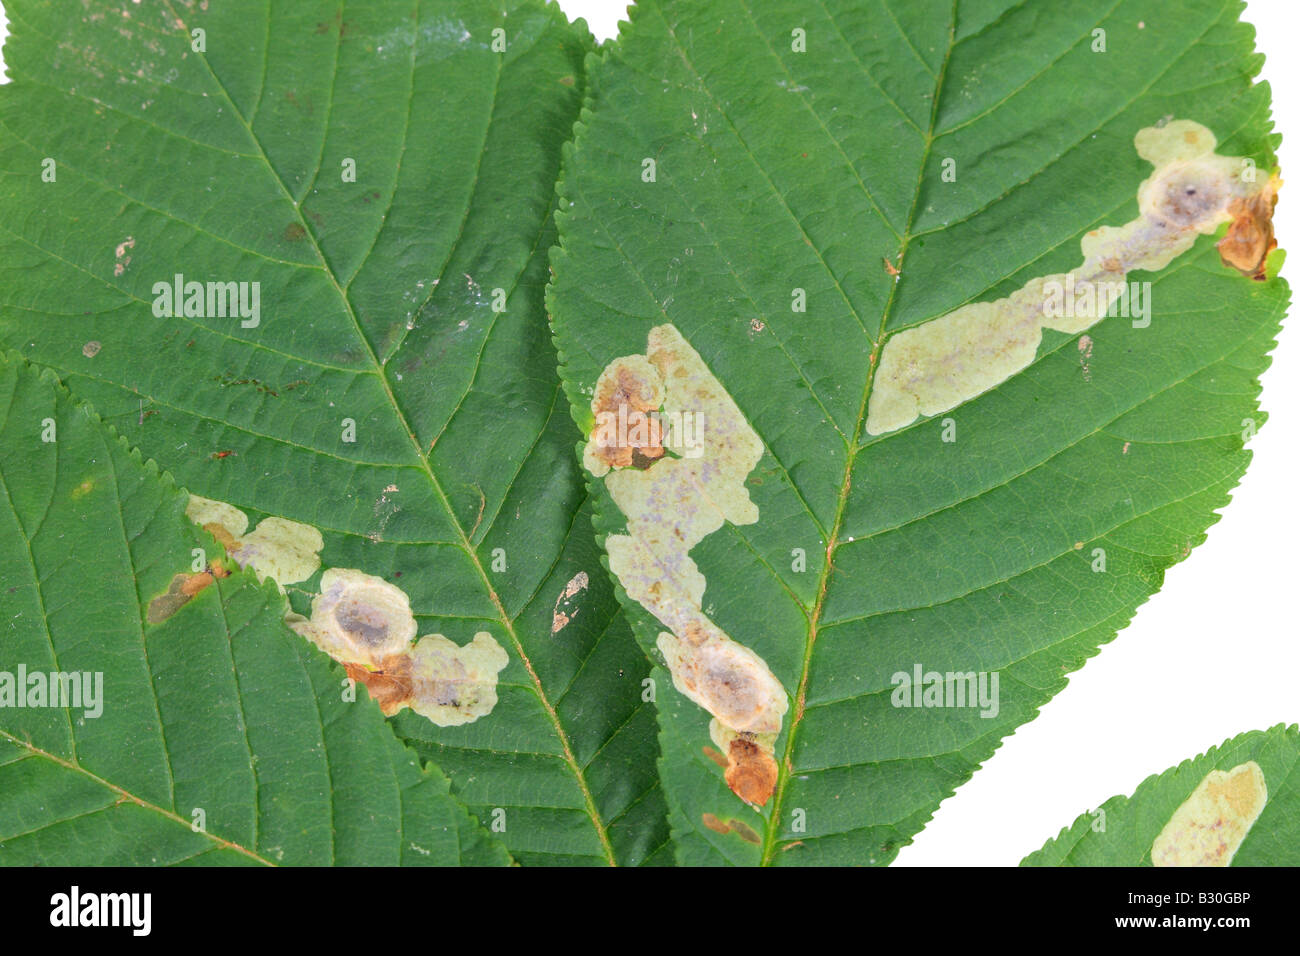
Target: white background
1213, 654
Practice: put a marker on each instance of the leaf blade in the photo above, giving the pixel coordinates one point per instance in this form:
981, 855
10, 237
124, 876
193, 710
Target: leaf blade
971, 559
377, 300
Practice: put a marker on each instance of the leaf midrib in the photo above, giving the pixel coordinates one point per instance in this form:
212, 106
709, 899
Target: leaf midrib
786, 768
464, 543
127, 795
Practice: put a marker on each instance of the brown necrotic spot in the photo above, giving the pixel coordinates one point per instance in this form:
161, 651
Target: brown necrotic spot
389, 683
625, 403
751, 771
741, 829
1250, 239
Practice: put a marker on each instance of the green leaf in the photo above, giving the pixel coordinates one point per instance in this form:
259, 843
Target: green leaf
215, 736
758, 198
1235, 826
230, 164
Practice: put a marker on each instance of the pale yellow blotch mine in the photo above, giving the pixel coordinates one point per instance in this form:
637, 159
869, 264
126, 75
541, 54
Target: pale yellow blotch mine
1208, 829
359, 618
726, 678
366, 624
670, 506
283, 550
456, 685
938, 365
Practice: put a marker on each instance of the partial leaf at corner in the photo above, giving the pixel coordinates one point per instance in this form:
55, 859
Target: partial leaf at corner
1122, 830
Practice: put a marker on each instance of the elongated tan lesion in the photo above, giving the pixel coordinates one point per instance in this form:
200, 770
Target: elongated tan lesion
1209, 827
1191, 192
673, 498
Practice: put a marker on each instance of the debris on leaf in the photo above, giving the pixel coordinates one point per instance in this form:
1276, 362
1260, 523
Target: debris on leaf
560, 618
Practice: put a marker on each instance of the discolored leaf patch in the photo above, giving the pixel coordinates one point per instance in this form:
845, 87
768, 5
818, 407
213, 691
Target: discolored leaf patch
672, 504
365, 623
1192, 191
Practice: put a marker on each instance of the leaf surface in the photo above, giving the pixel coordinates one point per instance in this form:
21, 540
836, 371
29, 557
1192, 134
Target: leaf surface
788, 212
397, 391
213, 737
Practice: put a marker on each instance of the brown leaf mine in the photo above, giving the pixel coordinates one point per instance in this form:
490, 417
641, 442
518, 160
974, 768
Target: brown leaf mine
1192, 191
738, 827
714, 824
1209, 827
365, 623
627, 398
180, 590
671, 505
1250, 236
751, 770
